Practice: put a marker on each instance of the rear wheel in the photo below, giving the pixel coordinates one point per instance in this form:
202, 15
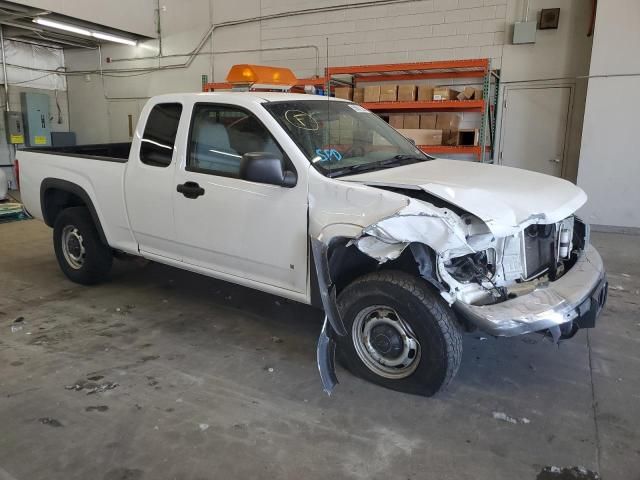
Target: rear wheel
81, 254
401, 333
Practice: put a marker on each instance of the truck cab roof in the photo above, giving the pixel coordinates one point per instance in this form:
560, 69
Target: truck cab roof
257, 97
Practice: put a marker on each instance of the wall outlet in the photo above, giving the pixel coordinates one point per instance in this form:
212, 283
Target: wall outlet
524, 32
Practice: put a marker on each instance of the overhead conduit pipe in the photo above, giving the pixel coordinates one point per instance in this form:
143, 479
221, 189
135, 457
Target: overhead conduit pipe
209, 33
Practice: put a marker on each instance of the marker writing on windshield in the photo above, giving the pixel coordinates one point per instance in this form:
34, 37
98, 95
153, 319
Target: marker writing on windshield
326, 155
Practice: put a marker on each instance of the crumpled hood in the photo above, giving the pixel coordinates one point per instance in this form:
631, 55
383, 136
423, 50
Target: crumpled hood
506, 199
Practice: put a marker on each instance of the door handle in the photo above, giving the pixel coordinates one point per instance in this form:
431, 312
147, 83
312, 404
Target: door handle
554, 160
190, 189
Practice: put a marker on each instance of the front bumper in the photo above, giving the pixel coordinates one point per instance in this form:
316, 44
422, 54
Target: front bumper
578, 296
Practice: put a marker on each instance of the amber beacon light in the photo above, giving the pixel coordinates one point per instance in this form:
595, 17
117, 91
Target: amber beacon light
258, 76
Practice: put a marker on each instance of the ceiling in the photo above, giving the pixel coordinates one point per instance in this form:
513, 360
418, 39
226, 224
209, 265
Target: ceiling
18, 25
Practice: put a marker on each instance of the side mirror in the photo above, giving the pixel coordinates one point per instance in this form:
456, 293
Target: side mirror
263, 167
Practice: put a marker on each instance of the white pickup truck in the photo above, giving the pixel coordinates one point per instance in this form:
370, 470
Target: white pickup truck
322, 202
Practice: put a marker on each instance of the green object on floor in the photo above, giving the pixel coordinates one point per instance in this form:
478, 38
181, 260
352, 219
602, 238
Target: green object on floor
10, 212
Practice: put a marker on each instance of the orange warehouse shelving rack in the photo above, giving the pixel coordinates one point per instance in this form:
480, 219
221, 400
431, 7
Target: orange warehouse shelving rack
474, 69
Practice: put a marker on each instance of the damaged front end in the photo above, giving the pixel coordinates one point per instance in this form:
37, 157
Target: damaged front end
536, 276
541, 277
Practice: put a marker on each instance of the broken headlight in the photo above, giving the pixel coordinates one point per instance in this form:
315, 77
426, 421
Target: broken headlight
476, 267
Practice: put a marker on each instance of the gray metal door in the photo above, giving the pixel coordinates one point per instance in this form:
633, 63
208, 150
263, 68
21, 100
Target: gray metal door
534, 128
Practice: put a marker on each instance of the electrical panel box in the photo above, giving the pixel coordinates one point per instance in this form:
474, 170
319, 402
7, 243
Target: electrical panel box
524, 32
35, 108
14, 127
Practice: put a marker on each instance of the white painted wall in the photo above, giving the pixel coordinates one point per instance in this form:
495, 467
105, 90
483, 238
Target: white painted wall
609, 168
422, 30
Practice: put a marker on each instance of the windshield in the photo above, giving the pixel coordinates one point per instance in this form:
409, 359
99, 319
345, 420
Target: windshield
341, 138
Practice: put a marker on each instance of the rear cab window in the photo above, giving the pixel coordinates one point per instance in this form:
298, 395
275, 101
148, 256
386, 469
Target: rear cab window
159, 137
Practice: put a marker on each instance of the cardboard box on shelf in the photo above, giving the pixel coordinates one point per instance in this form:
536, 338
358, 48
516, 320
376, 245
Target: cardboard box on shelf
407, 93
388, 93
412, 121
468, 93
444, 93
423, 136
358, 95
468, 137
448, 121
477, 94
425, 93
372, 94
428, 120
396, 120
449, 137
344, 92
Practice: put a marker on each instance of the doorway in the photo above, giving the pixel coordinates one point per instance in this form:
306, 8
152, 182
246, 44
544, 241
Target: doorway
535, 122
123, 118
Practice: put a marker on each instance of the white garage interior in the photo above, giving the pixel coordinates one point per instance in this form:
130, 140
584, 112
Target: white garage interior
207, 379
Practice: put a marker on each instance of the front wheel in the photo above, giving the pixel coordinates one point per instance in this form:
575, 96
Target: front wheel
401, 333
81, 254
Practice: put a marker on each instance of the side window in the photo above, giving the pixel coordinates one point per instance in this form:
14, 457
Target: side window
221, 135
160, 134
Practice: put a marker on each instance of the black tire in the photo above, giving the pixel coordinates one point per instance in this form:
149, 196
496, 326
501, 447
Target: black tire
94, 264
430, 321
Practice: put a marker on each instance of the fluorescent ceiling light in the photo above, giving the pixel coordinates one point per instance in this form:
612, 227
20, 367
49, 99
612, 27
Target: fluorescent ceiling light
83, 31
114, 38
61, 26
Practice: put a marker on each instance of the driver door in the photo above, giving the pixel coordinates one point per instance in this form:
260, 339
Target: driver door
247, 230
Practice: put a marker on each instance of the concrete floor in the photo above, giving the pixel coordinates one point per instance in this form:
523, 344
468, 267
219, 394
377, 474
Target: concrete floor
196, 397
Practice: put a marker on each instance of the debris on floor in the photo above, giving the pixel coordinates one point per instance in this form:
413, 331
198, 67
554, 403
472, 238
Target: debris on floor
275, 339
506, 418
91, 387
203, 426
17, 324
567, 473
52, 422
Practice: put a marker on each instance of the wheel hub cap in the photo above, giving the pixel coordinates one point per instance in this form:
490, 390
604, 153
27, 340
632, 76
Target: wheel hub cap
386, 341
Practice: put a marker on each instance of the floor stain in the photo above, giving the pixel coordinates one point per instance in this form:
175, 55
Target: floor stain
96, 408
124, 474
567, 473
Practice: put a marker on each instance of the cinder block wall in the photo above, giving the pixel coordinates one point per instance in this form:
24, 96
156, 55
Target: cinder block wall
410, 32
421, 30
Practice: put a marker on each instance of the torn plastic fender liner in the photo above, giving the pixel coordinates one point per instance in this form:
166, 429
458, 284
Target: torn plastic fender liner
418, 222
326, 286
425, 259
326, 349
325, 355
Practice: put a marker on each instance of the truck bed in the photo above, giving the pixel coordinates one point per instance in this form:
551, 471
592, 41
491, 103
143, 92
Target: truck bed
95, 172
112, 152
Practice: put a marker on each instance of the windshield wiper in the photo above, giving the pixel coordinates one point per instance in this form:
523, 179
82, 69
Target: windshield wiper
389, 162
